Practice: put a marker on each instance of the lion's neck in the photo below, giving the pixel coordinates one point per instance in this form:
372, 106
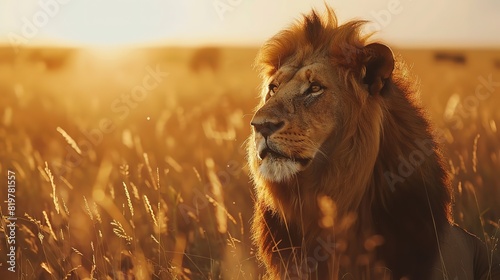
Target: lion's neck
409, 163
409, 196
347, 174
344, 176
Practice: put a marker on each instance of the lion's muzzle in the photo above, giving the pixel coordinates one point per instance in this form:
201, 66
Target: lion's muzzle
276, 161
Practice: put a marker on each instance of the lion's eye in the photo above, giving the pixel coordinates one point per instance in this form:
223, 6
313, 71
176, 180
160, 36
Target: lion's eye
273, 88
315, 89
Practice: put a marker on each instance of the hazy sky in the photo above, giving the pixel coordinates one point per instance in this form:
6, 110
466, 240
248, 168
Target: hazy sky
240, 22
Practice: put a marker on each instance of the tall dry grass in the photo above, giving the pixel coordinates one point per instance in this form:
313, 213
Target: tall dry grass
165, 194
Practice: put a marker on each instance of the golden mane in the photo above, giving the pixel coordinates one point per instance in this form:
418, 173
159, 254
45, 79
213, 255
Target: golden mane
362, 177
313, 35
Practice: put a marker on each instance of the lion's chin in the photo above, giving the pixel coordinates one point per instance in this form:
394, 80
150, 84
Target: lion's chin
279, 169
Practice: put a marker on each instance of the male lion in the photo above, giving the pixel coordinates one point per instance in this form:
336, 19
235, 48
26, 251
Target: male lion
349, 180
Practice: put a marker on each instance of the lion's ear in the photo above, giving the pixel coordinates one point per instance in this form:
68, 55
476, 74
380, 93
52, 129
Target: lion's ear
379, 63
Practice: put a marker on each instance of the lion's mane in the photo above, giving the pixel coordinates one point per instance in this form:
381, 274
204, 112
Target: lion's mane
385, 177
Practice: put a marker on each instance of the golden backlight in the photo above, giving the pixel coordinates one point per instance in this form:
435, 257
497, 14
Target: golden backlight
237, 22
125, 125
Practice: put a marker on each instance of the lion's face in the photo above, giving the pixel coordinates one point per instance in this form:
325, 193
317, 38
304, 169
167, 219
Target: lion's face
299, 112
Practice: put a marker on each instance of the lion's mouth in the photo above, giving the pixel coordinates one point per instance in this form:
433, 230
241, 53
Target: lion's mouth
268, 152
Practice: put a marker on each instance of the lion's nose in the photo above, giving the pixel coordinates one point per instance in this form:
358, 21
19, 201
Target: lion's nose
266, 128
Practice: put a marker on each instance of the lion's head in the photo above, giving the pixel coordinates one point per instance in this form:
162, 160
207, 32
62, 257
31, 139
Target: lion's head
321, 107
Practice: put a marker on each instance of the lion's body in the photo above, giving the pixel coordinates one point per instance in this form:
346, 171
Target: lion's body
349, 179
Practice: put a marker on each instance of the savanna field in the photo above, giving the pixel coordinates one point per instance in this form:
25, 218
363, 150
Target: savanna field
130, 164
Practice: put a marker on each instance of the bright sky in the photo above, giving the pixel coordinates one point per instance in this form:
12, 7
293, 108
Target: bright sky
240, 22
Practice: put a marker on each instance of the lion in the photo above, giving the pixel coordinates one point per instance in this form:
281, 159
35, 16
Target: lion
349, 180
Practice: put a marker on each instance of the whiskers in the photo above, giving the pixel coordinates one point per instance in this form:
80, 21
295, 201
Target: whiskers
317, 151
